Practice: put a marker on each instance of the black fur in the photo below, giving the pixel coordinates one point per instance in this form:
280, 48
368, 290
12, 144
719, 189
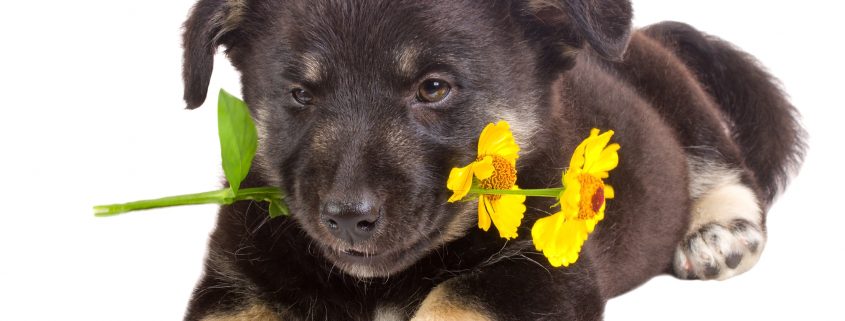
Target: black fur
764, 123
561, 67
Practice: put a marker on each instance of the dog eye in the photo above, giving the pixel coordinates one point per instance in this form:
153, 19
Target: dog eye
433, 90
302, 96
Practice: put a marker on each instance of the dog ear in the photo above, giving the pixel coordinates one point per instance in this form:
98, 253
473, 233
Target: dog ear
603, 24
209, 25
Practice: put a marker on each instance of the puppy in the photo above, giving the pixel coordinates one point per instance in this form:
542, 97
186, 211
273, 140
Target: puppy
363, 107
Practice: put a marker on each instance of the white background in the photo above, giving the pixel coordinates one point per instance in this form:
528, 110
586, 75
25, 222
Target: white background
92, 113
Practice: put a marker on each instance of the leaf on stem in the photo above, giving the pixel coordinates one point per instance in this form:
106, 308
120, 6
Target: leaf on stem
238, 138
278, 208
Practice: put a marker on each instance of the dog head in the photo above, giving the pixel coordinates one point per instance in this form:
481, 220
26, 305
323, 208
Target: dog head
363, 107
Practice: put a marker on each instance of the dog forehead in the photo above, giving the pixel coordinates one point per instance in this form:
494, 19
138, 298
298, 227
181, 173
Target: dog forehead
390, 31
373, 11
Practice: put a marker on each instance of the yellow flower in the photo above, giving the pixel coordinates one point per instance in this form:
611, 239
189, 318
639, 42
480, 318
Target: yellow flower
561, 236
495, 168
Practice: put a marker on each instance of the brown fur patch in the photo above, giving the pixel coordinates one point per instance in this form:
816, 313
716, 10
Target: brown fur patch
442, 304
312, 67
406, 60
255, 312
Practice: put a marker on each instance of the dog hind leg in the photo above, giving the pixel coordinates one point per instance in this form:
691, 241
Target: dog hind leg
729, 202
740, 135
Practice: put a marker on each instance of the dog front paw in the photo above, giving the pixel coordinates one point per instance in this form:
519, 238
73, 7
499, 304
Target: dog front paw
443, 304
254, 312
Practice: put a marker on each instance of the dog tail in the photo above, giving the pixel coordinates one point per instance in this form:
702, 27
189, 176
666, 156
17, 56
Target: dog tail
763, 122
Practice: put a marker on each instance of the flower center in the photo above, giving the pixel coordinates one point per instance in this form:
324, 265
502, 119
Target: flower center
504, 176
592, 196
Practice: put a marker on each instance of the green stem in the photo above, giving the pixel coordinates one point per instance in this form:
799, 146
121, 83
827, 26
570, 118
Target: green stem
543, 192
258, 193
223, 196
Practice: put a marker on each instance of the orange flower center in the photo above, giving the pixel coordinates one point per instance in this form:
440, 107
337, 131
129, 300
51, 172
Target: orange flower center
592, 196
504, 176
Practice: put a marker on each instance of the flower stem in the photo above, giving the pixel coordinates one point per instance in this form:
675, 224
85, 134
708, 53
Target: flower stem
223, 196
543, 192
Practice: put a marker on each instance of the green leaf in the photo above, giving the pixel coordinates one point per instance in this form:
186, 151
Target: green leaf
238, 138
278, 208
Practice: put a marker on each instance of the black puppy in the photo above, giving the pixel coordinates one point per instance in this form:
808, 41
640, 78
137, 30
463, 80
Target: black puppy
363, 107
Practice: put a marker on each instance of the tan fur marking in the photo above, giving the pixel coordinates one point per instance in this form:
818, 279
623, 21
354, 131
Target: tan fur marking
388, 313
405, 60
262, 116
226, 270
237, 9
537, 6
441, 305
230, 18
719, 196
255, 312
523, 125
724, 204
312, 69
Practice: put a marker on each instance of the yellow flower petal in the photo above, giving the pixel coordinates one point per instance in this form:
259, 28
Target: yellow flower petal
609, 192
497, 139
559, 238
590, 224
460, 181
570, 198
484, 208
484, 168
594, 147
577, 160
607, 160
545, 229
507, 214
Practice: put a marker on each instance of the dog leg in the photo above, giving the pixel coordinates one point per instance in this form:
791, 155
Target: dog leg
255, 312
225, 294
517, 285
444, 304
726, 236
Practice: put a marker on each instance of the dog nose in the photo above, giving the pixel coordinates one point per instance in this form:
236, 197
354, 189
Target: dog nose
353, 222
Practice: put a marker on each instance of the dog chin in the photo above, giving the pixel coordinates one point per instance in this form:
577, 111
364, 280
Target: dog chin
376, 265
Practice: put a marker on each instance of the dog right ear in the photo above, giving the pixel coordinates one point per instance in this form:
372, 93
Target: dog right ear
207, 27
563, 27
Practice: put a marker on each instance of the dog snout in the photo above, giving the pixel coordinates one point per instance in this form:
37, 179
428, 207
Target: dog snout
353, 222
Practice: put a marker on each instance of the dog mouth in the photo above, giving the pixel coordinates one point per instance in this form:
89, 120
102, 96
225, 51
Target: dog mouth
354, 253
388, 251
367, 264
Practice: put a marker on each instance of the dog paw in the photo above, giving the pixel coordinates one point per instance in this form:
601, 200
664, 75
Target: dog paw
725, 236
717, 251
255, 312
442, 304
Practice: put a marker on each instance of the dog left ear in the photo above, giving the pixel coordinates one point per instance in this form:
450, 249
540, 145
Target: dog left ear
603, 24
211, 24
